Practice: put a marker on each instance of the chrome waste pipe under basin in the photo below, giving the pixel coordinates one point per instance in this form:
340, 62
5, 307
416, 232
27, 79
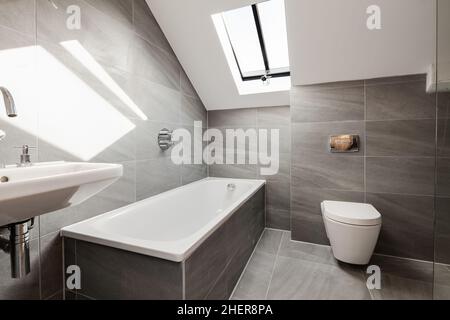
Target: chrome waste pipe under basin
18, 247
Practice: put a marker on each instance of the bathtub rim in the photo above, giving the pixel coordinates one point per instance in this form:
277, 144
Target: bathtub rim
136, 246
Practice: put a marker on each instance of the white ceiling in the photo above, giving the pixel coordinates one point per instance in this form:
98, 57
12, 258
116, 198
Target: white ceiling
190, 31
328, 41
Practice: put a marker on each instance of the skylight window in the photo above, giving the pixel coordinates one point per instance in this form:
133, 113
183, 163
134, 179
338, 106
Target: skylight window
258, 40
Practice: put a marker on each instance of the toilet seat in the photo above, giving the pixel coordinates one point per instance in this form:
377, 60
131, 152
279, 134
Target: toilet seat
358, 214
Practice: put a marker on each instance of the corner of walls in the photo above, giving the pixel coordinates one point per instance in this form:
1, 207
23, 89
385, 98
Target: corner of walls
132, 62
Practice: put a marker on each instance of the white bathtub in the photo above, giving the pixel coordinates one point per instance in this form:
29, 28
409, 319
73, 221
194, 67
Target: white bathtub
170, 225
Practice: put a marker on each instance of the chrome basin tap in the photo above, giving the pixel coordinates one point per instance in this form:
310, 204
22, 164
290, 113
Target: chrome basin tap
10, 108
10, 105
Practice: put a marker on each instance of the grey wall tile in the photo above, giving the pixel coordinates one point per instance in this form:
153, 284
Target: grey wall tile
236, 118
51, 251
192, 173
401, 138
278, 218
24, 289
192, 110
147, 142
443, 177
337, 104
400, 101
156, 101
442, 231
274, 116
306, 215
147, 27
329, 172
98, 32
443, 138
18, 15
233, 171
153, 63
407, 229
443, 105
121, 10
400, 175
156, 176
279, 194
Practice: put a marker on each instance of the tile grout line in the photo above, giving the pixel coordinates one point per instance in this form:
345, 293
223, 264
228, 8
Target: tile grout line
274, 265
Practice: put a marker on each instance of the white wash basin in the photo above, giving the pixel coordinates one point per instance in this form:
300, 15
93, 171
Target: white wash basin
27, 192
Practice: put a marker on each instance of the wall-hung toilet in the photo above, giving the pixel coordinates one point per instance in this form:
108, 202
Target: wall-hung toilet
353, 230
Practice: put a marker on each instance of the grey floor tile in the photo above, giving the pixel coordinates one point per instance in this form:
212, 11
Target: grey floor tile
256, 277
398, 288
441, 282
305, 251
296, 279
270, 241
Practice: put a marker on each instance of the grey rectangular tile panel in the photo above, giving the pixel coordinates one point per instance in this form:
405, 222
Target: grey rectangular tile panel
122, 10
237, 117
110, 273
442, 231
279, 195
156, 176
340, 104
401, 138
278, 218
99, 31
274, 116
154, 64
51, 251
407, 229
400, 101
192, 110
28, 287
443, 177
329, 172
233, 171
18, 15
400, 175
147, 27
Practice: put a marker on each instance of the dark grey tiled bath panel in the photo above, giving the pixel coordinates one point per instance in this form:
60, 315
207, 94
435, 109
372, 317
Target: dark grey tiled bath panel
211, 272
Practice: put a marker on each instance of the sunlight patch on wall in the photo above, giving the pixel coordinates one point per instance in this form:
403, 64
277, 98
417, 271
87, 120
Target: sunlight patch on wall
72, 116
78, 52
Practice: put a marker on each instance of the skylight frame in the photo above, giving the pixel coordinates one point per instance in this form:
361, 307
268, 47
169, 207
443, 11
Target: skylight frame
257, 75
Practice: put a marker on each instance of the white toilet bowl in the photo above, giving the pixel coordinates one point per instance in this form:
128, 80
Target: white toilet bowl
353, 230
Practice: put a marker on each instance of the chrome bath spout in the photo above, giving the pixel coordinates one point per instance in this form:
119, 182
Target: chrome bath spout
10, 105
